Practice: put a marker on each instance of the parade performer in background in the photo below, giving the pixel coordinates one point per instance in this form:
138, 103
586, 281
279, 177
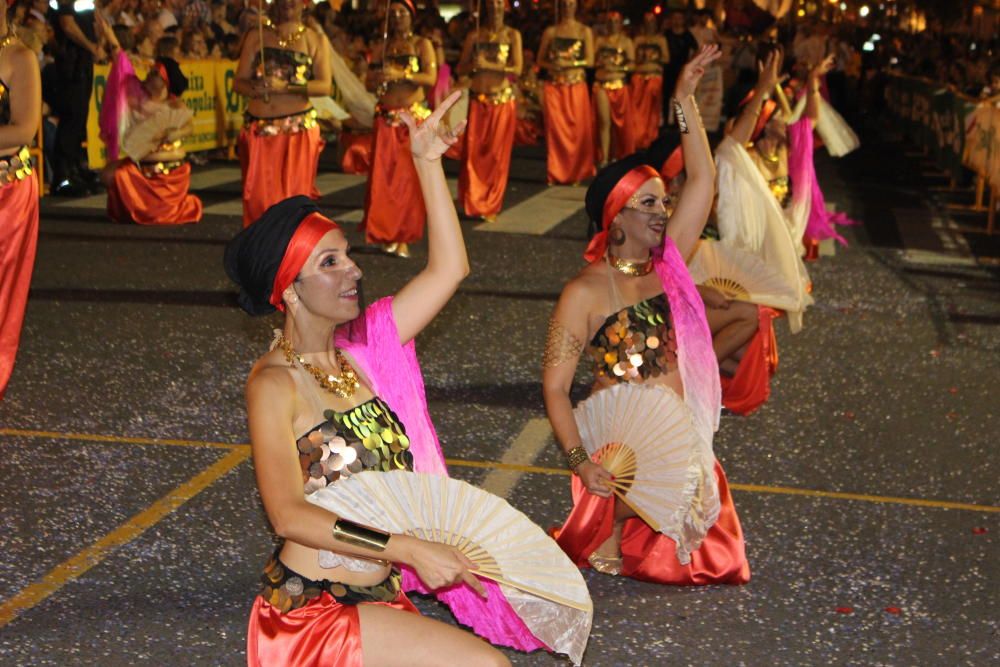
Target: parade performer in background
491, 57
616, 124
566, 49
636, 258
711, 89
756, 211
20, 109
331, 593
283, 63
646, 87
403, 66
143, 124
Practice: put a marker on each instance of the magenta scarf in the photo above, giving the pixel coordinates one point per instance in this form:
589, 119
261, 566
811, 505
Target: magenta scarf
122, 83
394, 374
802, 173
695, 357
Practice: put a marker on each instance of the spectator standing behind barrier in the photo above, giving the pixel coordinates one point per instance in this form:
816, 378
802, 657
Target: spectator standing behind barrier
682, 45
67, 90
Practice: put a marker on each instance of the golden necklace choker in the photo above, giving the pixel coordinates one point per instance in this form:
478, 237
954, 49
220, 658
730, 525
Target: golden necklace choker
285, 42
630, 268
8, 39
343, 385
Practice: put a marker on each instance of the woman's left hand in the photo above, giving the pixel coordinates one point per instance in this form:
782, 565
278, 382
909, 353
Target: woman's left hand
822, 68
687, 82
431, 139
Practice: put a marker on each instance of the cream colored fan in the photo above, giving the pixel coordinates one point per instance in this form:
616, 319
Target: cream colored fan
539, 581
740, 275
645, 437
146, 131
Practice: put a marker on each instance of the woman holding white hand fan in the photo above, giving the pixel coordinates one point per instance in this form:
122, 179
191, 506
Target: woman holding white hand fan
650, 501
340, 392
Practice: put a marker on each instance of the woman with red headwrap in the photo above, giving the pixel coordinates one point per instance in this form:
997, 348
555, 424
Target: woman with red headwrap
566, 49
646, 88
146, 121
330, 594
492, 57
20, 109
637, 279
280, 141
404, 65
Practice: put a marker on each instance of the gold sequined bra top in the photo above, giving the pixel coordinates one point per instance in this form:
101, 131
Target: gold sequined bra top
4, 103
294, 67
568, 48
366, 437
497, 53
408, 62
635, 343
648, 53
611, 56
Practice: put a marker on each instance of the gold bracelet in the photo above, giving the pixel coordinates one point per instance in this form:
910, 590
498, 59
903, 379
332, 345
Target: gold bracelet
360, 536
575, 457
682, 124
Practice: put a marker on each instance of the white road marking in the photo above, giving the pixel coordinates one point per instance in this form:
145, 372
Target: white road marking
539, 213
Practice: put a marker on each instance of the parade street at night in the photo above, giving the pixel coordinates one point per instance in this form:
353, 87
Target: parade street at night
132, 532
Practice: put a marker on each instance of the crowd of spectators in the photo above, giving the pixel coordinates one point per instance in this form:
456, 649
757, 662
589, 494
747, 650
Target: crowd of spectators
68, 47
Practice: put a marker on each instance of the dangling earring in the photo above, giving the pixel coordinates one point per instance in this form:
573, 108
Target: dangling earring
616, 236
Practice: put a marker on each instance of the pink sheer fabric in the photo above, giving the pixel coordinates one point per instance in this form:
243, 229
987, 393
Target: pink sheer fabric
122, 84
442, 87
802, 172
394, 374
698, 366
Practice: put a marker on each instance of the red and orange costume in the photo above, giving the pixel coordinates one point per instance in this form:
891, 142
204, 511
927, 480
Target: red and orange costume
279, 157
394, 205
156, 193
492, 126
18, 240
569, 118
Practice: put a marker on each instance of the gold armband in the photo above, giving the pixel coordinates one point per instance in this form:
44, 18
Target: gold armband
575, 457
560, 345
357, 535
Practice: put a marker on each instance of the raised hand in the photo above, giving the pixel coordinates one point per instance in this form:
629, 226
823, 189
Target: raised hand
822, 68
769, 72
687, 82
431, 139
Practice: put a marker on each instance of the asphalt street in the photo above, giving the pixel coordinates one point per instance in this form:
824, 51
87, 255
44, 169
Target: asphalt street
132, 534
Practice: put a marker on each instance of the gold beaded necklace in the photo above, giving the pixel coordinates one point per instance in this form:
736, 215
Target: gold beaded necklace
285, 42
8, 39
630, 268
343, 385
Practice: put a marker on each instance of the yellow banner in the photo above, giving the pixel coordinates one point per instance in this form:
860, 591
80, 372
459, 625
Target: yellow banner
218, 109
982, 143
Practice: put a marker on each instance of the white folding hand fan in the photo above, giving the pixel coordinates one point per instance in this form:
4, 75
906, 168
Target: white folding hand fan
549, 594
645, 437
740, 275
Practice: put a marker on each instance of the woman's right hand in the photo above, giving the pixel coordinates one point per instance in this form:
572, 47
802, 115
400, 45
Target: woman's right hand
440, 565
594, 476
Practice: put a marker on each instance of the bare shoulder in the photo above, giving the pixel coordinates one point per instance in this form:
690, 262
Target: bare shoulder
584, 289
271, 378
22, 59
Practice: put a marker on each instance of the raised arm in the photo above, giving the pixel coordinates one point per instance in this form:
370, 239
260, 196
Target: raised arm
270, 406
426, 294
564, 342
695, 203
812, 87
766, 81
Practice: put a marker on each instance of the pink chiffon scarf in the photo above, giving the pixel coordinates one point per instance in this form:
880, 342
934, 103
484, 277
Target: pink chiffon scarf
394, 374
699, 368
802, 172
